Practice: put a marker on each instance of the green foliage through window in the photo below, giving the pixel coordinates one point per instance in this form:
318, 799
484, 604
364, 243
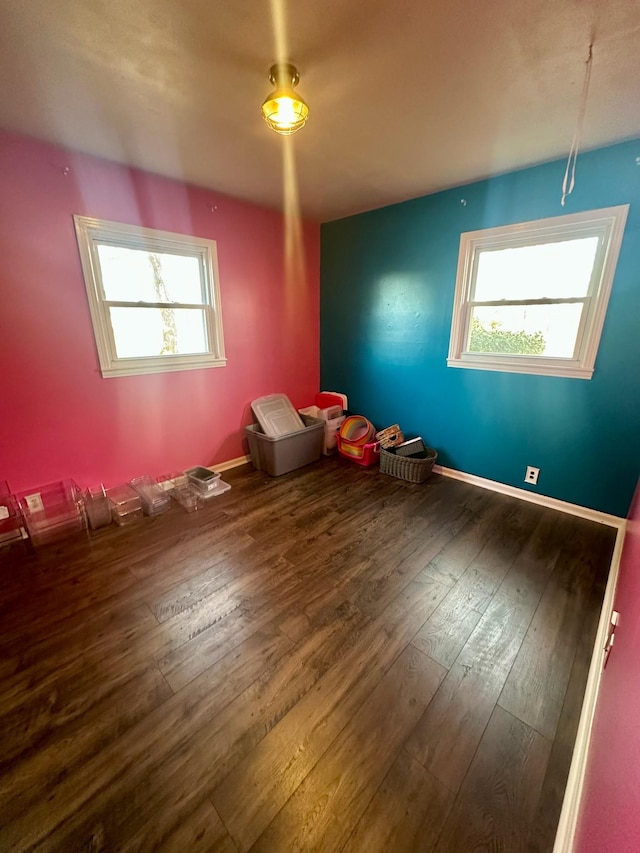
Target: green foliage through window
495, 339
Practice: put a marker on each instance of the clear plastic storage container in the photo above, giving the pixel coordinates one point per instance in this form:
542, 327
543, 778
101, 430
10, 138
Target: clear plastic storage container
153, 497
203, 479
168, 482
189, 498
126, 506
11, 521
53, 511
97, 506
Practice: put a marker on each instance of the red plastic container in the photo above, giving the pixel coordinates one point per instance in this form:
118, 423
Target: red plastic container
324, 399
364, 454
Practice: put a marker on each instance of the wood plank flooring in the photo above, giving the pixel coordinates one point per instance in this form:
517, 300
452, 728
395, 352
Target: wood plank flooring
329, 660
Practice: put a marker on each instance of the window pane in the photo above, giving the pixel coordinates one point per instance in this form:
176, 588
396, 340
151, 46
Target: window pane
136, 275
557, 270
142, 332
546, 330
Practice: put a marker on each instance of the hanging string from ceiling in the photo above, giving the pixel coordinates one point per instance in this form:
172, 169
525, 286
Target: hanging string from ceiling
570, 172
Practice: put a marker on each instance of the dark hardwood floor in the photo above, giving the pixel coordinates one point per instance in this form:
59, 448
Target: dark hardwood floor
329, 660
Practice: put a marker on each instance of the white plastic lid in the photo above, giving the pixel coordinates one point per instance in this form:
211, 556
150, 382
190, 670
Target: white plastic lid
276, 415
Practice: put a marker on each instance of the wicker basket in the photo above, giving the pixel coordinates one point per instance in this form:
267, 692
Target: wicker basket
407, 468
390, 436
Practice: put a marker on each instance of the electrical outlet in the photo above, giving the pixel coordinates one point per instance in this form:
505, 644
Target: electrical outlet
532, 475
34, 502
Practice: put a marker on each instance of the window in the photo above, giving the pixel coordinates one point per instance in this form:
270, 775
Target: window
153, 296
532, 297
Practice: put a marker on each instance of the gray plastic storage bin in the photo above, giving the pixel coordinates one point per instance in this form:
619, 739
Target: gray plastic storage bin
286, 452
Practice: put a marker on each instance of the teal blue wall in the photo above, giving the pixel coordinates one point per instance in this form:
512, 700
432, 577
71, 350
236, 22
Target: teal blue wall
387, 284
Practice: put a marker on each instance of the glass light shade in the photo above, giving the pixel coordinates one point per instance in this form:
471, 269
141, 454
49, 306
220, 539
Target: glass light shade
284, 110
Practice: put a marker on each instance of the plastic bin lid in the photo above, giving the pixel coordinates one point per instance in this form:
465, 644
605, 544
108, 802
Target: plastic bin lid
276, 415
124, 497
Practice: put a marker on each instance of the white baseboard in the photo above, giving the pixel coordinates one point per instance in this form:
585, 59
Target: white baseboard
533, 497
230, 463
568, 822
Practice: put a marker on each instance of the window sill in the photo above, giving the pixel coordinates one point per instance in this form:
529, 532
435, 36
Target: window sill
133, 368
569, 370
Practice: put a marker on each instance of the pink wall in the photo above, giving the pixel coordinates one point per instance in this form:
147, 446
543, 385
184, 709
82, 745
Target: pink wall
610, 810
59, 417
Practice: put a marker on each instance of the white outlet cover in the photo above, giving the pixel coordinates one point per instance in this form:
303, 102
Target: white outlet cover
34, 502
4, 512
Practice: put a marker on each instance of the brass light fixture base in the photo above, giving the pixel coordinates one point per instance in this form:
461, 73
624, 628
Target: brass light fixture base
284, 110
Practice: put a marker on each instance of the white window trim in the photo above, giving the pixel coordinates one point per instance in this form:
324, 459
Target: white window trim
607, 223
91, 231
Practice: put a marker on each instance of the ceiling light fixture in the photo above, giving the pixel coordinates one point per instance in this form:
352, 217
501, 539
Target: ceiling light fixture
284, 110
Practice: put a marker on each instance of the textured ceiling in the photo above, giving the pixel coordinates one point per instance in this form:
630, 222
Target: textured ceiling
406, 97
